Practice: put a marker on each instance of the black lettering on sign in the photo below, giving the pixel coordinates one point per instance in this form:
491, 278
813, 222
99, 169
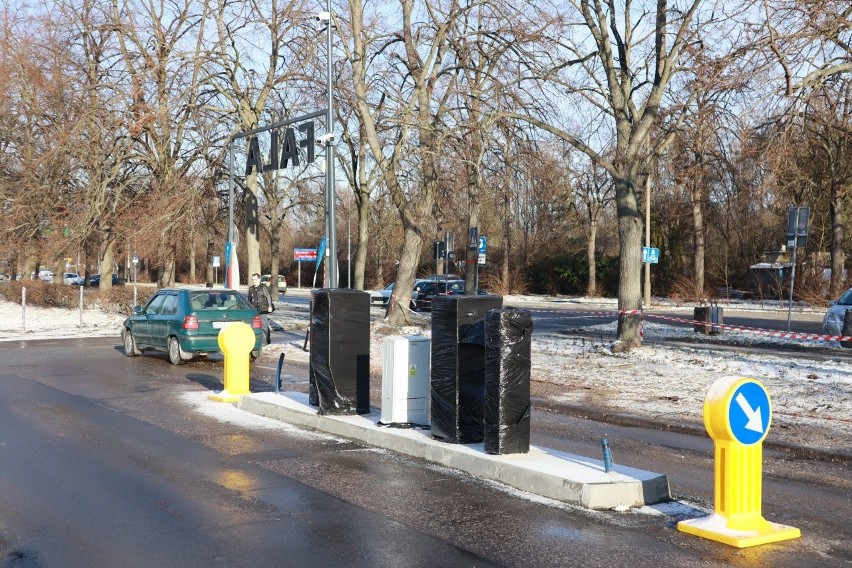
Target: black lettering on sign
289, 149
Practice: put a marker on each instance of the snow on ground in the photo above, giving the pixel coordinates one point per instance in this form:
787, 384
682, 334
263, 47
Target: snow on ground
812, 399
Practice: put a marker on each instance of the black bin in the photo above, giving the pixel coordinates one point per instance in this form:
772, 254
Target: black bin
340, 351
457, 375
708, 319
508, 335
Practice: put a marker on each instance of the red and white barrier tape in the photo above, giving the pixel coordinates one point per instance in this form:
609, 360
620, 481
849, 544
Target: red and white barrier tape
744, 329
758, 331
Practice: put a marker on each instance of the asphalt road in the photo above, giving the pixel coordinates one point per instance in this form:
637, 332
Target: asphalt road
104, 463
553, 317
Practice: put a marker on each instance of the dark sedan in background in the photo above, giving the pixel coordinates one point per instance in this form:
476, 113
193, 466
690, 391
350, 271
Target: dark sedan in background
186, 323
430, 289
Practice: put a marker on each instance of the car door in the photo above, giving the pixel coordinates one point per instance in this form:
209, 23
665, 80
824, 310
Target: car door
161, 322
142, 328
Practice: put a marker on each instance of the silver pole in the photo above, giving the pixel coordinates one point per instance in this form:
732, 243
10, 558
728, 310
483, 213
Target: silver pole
647, 266
792, 280
230, 192
330, 218
349, 242
793, 268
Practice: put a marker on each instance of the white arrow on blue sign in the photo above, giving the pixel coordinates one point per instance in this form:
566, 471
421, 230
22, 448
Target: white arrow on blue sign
650, 255
748, 413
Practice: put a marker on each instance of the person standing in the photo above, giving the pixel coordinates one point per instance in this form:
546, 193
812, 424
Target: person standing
261, 299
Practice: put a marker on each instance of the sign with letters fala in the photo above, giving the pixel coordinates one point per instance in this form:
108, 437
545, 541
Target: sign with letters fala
284, 145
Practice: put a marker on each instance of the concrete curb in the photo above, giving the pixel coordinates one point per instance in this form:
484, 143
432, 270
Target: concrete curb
629, 420
564, 477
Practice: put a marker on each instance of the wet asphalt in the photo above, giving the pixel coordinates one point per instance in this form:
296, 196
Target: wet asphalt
103, 462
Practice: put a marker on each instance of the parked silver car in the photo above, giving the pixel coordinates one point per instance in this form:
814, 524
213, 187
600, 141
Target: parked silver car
832, 323
382, 297
72, 279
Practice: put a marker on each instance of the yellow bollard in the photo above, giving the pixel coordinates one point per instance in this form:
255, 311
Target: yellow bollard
236, 341
737, 414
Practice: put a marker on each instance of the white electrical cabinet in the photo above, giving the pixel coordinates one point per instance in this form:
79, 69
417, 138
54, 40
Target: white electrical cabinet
405, 380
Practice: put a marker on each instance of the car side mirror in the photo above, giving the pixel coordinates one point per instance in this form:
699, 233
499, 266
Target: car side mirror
831, 303
137, 310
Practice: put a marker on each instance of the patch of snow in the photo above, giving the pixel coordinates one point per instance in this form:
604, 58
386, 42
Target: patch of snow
812, 399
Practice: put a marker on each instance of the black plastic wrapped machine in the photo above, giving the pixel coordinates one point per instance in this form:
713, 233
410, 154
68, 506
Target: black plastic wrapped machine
508, 335
457, 376
340, 350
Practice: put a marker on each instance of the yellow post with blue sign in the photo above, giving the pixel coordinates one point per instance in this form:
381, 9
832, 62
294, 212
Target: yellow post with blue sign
236, 342
737, 414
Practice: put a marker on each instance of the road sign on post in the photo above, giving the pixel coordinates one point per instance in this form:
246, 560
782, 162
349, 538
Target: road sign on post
650, 255
797, 236
737, 414
305, 254
483, 245
797, 226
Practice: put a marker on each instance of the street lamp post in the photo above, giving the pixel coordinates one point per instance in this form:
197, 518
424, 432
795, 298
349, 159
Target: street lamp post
331, 280
647, 266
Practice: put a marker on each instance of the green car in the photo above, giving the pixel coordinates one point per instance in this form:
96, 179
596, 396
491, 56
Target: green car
186, 323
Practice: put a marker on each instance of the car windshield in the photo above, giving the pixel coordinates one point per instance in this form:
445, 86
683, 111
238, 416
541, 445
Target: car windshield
845, 299
217, 301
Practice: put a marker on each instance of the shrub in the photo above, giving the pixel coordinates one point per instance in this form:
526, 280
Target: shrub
493, 282
44, 294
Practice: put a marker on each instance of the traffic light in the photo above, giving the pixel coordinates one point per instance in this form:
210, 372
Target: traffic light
439, 250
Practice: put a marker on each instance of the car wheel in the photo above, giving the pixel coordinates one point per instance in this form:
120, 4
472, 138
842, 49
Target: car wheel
175, 356
254, 354
130, 348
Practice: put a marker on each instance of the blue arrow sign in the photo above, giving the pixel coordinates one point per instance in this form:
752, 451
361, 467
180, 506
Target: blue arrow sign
749, 413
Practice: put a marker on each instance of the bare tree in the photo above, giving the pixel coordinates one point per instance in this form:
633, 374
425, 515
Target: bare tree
810, 39
811, 160
594, 189
624, 73
418, 107
245, 77
160, 46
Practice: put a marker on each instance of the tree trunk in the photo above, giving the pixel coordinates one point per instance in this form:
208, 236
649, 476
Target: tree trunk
192, 257
505, 272
252, 226
380, 265
210, 275
698, 239
398, 307
630, 262
363, 238
105, 258
166, 278
592, 289
838, 258
362, 202
275, 252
